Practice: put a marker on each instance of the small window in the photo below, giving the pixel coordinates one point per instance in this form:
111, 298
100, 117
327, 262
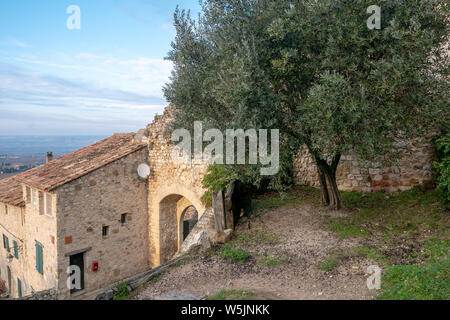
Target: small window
28, 194
6, 209
123, 218
105, 231
41, 203
48, 204
33, 196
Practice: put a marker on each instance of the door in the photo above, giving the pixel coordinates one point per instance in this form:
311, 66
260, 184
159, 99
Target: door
185, 229
78, 260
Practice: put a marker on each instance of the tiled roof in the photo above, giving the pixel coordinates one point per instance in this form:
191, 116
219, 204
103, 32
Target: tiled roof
11, 191
76, 164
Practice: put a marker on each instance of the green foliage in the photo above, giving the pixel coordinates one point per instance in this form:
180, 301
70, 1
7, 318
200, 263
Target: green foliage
217, 177
122, 293
442, 166
235, 254
233, 295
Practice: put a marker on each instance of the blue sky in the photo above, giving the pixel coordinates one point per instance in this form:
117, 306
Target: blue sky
105, 77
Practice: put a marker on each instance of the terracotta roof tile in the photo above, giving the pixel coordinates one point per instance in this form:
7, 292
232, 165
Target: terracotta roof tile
11, 191
76, 164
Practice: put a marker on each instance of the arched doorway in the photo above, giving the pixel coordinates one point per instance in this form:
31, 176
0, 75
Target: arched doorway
188, 220
177, 218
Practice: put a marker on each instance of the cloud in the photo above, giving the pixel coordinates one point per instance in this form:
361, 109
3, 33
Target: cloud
12, 42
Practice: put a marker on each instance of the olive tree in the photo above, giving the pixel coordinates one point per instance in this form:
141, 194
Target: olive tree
316, 70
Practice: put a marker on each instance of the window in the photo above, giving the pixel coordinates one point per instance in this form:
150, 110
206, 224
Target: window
33, 196
16, 249
48, 204
105, 231
6, 209
123, 218
41, 203
19, 288
6, 243
39, 258
28, 194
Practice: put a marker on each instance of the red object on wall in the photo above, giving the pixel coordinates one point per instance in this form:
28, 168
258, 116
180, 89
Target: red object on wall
94, 266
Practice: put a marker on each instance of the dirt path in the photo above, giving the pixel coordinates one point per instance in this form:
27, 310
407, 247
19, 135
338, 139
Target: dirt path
296, 238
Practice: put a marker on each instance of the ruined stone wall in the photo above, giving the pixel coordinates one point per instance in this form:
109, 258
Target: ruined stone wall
95, 200
413, 168
167, 178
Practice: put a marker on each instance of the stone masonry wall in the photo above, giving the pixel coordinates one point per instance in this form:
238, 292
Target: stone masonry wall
167, 178
95, 200
413, 168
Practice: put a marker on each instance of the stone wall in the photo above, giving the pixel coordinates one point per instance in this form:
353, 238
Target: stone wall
11, 225
95, 200
413, 168
168, 179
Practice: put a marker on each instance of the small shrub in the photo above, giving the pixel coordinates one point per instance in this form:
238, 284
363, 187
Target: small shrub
122, 293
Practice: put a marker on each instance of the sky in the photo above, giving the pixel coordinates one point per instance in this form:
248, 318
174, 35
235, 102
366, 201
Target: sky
105, 77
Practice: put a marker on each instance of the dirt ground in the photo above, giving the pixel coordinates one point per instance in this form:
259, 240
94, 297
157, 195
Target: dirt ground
301, 241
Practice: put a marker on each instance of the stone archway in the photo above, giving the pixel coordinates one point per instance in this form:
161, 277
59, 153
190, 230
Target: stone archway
169, 204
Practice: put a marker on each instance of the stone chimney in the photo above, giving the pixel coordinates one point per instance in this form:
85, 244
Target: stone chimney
49, 157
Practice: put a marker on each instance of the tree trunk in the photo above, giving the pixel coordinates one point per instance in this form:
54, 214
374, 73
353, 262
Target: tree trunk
328, 185
324, 196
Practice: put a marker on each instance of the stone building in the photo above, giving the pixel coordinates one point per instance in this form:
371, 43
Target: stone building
88, 208
91, 209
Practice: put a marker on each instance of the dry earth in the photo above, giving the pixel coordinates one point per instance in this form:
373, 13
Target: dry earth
297, 238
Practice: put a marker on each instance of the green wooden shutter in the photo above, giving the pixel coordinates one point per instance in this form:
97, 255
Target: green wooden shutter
16, 249
19, 288
39, 259
7, 244
4, 242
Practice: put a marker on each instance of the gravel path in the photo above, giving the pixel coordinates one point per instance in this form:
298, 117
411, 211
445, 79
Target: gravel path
300, 240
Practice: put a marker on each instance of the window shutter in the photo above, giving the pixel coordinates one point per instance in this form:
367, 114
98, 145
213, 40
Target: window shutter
7, 244
19, 288
16, 249
39, 259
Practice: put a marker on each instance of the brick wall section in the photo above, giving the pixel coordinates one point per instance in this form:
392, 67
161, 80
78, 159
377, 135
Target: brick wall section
88, 203
413, 168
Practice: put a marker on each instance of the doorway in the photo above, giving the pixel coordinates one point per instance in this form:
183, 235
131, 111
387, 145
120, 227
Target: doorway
77, 260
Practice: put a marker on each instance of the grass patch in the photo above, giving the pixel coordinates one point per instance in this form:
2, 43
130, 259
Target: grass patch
234, 254
345, 229
233, 295
273, 261
417, 282
328, 264
373, 254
